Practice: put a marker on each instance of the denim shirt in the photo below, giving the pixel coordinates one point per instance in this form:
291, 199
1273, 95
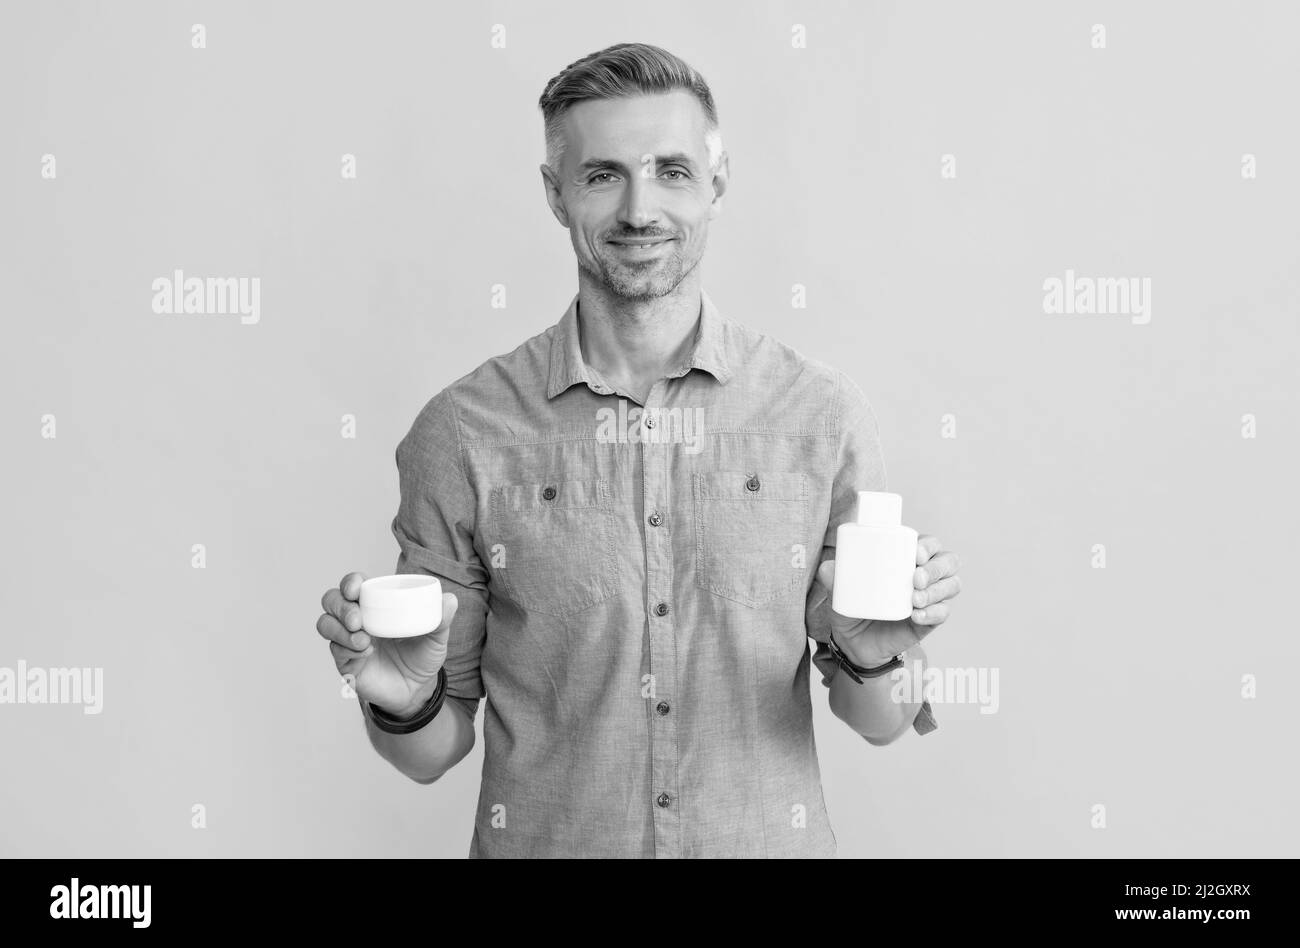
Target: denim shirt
635, 587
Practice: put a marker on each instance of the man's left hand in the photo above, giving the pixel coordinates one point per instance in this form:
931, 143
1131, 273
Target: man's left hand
872, 642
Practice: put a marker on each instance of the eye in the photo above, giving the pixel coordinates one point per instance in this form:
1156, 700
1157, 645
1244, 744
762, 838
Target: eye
682, 174
597, 175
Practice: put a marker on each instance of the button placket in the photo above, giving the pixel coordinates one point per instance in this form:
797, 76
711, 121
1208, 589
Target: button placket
663, 645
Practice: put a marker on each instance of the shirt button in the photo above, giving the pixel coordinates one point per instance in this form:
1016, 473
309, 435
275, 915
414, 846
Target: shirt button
664, 799
662, 707
548, 494
649, 421
661, 609
752, 483
655, 520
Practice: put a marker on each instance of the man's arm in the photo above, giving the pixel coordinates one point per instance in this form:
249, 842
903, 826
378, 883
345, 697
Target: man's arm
869, 708
434, 528
427, 754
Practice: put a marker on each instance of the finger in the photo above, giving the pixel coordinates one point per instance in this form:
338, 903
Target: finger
936, 592
348, 613
926, 547
346, 660
941, 565
350, 586
333, 630
930, 615
345, 610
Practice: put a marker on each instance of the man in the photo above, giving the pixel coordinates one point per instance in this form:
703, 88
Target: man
633, 515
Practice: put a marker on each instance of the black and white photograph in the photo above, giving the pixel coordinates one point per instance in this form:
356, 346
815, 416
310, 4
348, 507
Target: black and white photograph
605, 431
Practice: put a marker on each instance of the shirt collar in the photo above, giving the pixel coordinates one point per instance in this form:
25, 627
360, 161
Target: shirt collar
569, 368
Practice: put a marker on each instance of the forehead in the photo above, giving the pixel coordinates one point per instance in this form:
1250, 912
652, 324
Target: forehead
631, 126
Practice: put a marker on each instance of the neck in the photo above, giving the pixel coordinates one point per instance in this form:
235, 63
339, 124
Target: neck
634, 343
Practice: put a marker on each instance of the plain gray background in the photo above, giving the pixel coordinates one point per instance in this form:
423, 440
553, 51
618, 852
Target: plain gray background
1119, 686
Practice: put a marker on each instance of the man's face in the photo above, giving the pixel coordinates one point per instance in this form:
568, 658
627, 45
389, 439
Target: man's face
636, 191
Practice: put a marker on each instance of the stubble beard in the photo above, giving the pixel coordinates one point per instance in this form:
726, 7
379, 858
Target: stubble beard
638, 283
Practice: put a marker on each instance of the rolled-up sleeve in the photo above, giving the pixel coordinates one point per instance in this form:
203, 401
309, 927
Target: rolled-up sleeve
434, 528
859, 465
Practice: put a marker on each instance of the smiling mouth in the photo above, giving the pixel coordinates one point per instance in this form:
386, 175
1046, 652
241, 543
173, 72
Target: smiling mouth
640, 245
639, 252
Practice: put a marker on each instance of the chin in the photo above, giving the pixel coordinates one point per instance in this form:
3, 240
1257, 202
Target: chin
638, 286
635, 293
642, 290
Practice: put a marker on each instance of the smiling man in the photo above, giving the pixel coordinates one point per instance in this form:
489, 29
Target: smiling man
637, 615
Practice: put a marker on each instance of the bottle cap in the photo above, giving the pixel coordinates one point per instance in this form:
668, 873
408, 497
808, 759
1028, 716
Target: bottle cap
880, 509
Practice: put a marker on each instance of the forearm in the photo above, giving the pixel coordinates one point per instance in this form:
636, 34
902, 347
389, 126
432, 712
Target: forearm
427, 754
870, 709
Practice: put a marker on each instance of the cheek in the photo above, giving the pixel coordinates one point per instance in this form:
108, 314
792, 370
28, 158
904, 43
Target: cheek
594, 208
583, 233
590, 225
694, 217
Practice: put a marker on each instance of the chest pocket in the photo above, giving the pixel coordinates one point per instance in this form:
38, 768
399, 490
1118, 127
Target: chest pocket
751, 529
552, 545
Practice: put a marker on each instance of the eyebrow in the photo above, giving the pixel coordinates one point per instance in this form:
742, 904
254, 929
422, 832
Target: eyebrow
677, 158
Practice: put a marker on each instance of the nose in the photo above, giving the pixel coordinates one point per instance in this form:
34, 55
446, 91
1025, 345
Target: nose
639, 209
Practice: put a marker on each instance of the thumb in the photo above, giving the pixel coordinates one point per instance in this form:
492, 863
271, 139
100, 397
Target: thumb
826, 574
423, 655
449, 606
823, 582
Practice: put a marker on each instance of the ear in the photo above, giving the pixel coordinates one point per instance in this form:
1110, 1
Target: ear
552, 186
721, 178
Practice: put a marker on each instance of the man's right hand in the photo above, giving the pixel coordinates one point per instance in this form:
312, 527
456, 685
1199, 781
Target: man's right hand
398, 676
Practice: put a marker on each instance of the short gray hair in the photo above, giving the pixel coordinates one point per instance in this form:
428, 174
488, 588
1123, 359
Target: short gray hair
625, 69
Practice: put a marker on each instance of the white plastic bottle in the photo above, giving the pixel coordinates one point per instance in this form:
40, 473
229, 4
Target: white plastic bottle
875, 559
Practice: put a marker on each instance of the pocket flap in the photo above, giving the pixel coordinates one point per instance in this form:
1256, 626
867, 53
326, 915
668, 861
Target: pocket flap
751, 486
551, 494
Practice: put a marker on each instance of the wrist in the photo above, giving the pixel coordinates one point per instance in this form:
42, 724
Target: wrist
403, 714
865, 657
418, 701
856, 666
381, 720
